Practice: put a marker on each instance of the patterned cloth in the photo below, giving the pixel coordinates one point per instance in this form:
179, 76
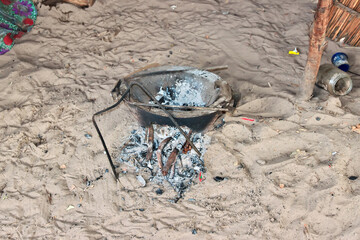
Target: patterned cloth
17, 17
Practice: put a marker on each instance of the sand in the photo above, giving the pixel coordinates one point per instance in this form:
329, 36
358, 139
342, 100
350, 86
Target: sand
287, 173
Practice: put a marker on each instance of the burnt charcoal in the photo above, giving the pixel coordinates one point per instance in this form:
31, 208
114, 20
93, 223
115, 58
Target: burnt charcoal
143, 154
177, 135
194, 160
135, 138
190, 173
159, 191
156, 144
352, 178
170, 92
220, 125
219, 179
143, 164
161, 100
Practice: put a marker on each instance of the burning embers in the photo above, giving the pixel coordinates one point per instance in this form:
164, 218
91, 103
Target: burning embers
165, 153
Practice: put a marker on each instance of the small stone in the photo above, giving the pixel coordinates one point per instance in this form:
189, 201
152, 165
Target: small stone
261, 162
79, 205
141, 209
171, 52
281, 185
106, 170
194, 231
159, 191
272, 219
173, 7
192, 200
352, 178
88, 183
63, 166
318, 118
88, 136
141, 180
70, 207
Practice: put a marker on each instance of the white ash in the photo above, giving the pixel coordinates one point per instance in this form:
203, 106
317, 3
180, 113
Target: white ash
187, 165
184, 93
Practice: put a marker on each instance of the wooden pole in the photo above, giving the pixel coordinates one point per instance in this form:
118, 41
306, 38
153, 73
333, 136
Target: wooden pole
317, 39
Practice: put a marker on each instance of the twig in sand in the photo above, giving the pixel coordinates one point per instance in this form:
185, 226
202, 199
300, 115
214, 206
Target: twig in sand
307, 232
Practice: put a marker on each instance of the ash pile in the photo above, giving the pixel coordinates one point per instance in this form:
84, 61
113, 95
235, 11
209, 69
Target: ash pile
180, 93
161, 153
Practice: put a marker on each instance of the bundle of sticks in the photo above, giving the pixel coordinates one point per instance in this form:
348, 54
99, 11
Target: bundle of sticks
345, 22
170, 163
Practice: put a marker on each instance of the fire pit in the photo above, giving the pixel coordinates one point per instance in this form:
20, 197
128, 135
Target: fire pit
214, 93
161, 153
172, 96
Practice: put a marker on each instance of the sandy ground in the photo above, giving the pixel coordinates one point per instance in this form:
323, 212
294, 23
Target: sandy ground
287, 172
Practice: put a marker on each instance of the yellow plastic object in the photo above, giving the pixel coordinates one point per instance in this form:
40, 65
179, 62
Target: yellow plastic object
294, 52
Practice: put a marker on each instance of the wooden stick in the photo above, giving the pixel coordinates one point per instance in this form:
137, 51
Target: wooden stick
159, 151
186, 146
216, 68
345, 21
171, 160
180, 107
317, 40
347, 9
150, 140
